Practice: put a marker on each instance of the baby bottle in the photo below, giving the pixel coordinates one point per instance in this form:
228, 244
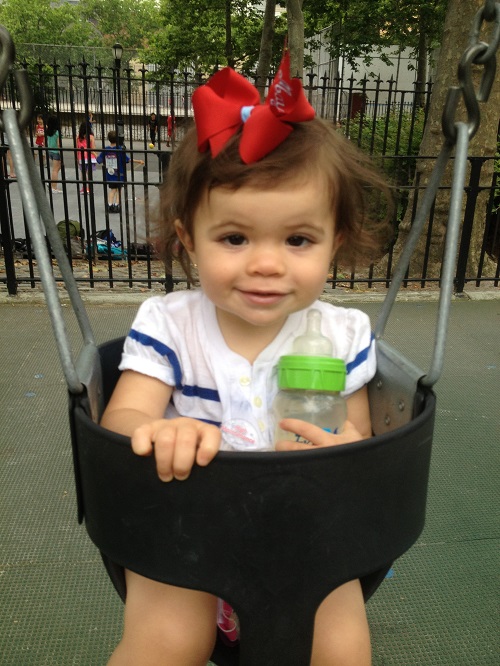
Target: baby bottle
310, 381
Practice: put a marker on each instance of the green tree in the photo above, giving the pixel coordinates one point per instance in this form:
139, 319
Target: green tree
359, 29
130, 22
39, 22
204, 34
362, 28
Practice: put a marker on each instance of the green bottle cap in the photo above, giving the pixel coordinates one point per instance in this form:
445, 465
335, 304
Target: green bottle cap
314, 373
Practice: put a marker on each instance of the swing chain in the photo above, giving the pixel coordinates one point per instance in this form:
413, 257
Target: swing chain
477, 53
7, 58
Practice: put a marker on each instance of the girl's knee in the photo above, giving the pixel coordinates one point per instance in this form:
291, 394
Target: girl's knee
170, 624
341, 632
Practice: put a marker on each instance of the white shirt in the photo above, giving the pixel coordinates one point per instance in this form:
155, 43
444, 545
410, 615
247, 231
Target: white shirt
176, 339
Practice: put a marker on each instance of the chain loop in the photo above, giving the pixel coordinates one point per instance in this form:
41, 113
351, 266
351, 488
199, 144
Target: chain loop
488, 10
477, 53
479, 18
7, 57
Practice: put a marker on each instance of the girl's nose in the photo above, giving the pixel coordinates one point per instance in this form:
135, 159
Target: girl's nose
265, 261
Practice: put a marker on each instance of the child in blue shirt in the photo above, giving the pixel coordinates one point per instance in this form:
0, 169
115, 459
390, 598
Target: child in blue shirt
115, 159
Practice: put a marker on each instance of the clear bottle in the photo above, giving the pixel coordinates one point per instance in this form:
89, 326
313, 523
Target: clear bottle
309, 382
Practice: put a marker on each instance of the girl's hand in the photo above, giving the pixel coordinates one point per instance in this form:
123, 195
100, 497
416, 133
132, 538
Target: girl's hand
315, 435
177, 444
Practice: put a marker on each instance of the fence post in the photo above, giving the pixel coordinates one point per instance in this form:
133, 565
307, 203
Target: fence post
310, 76
324, 80
472, 191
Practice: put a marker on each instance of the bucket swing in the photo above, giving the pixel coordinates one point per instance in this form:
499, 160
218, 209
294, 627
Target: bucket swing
271, 533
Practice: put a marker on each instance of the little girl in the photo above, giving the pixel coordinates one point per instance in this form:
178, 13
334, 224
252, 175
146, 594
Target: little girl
39, 133
54, 145
259, 198
85, 143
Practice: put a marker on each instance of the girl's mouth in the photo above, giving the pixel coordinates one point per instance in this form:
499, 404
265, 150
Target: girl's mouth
263, 297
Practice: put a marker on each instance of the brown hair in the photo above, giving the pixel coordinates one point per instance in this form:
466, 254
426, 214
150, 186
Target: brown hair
357, 192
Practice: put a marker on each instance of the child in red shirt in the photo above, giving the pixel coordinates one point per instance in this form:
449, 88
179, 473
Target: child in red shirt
40, 131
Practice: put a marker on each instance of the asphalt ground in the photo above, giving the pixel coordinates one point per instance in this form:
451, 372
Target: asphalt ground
141, 192
440, 604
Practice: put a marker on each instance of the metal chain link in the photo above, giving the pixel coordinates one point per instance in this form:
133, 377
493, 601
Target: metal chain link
488, 10
457, 136
477, 53
7, 58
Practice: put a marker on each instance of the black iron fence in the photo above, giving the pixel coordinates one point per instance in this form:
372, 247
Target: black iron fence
109, 247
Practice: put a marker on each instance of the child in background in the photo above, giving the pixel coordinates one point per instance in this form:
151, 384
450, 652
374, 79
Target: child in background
39, 132
54, 144
115, 160
85, 144
171, 126
261, 205
153, 128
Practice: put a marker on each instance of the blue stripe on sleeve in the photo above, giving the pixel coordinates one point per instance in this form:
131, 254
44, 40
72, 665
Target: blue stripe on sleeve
161, 349
200, 392
164, 350
360, 357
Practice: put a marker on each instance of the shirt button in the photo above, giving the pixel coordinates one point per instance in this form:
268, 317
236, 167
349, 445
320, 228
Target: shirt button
257, 401
262, 425
244, 381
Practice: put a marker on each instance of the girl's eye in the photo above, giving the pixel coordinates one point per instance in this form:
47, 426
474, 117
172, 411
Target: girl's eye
234, 239
297, 241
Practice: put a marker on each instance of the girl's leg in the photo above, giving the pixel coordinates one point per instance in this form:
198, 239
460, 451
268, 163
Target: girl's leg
56, 166
341, 633
165, 625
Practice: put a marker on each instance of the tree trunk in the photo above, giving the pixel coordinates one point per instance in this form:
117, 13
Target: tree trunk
422, 55
229, 39
455, 40
266, 47
295, 21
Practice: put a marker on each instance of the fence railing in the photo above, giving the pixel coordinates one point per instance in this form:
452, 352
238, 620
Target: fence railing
114, 248
71, 91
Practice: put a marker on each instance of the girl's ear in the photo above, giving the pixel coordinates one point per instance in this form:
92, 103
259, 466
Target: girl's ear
337, 243
184, 237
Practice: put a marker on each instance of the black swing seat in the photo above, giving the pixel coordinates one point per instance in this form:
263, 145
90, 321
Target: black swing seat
271, 533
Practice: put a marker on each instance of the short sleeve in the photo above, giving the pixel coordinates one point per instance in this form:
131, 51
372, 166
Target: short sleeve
353, 341
149, 347
361, 362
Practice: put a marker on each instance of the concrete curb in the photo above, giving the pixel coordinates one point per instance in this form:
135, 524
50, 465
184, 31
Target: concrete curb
132, 297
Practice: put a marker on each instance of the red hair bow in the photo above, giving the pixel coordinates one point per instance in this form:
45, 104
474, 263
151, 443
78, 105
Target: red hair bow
228, 101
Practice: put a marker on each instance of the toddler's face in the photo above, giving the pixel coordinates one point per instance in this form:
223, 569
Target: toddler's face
262, 254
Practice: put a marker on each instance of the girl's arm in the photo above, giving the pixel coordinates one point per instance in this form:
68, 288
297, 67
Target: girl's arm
358, 412
91, 143
357, 427
136, 409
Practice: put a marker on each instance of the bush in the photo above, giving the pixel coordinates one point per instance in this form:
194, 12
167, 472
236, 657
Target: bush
394, 139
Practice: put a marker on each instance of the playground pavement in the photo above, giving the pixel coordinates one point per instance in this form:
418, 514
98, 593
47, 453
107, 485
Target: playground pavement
438, 606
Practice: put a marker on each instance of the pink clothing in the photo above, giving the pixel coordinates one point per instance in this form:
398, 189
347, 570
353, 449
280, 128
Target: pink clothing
82, 143
39, 134
227, 622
